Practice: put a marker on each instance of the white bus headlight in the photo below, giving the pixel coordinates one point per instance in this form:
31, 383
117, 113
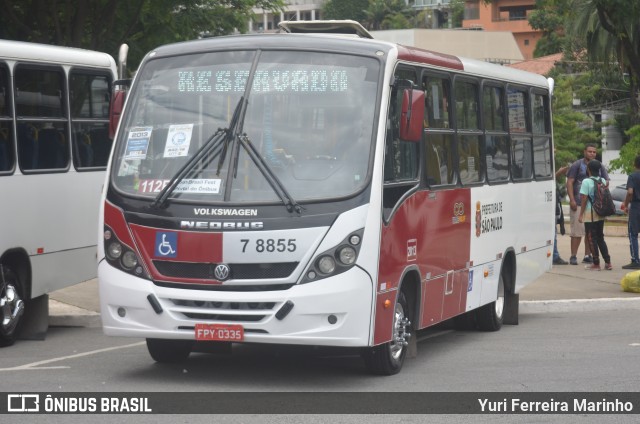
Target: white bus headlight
326, 264
114, 250
347, 255
129, 260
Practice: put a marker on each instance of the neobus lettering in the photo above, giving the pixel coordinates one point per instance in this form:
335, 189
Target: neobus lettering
209, 225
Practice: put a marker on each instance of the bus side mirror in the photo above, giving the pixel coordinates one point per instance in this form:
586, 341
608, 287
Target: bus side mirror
412, 115
117, 104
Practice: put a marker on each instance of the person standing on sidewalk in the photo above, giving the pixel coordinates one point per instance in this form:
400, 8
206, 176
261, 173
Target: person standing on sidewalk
594, 223
577, 173
631, 206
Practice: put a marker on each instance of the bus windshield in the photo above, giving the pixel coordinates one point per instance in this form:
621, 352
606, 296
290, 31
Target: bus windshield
309, 116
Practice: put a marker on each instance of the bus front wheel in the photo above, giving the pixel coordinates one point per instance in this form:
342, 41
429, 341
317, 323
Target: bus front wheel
169, 351
388, 358
11, 306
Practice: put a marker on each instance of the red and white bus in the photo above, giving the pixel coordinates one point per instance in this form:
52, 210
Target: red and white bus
54, 148
322, 190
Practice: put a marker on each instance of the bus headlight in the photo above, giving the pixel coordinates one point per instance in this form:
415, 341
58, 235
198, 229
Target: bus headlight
347, 255
129, 260
122, 256
336, 260
326, 264
114, 250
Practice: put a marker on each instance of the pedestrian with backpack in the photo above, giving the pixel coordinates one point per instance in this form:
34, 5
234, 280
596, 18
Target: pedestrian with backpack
576, 174
594, 193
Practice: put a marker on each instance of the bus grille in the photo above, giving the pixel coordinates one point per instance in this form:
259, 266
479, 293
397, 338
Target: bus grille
222, 311
238, 271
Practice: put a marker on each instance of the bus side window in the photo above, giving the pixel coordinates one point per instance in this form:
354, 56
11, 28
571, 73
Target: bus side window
440, 169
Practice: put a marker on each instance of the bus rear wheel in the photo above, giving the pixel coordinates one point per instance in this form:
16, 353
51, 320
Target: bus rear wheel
491, 315
388, 358
11, 306
169, 351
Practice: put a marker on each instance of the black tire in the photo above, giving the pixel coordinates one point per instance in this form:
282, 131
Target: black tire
12, 306
388, 358
490, 316
169, 351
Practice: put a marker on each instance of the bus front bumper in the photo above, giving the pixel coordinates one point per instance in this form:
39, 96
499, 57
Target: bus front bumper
335, 311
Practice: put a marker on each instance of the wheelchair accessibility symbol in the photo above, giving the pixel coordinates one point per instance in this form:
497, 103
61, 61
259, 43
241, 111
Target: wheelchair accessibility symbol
166, 245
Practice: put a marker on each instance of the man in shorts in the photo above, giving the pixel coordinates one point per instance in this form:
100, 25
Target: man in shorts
576, 174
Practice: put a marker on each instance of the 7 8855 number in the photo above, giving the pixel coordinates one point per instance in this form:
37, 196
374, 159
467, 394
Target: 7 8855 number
269, 245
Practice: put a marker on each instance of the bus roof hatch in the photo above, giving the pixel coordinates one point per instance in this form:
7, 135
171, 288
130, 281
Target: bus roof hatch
345, 27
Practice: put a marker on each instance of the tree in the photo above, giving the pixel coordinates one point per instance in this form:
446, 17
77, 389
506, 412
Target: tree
611, 29
345, 9
549, 17
105, 24
628, 152
572, 129
387, 14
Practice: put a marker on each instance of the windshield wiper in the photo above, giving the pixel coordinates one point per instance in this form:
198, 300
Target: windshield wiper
269, 175
218, 143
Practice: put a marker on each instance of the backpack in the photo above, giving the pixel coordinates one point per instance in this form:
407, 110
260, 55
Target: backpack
602, 202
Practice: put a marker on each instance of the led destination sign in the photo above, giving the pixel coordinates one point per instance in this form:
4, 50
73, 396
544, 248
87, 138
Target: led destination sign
277, 81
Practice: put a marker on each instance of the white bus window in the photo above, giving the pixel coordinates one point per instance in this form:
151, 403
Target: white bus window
470, 166
521, 158
437, 102
89, 101
6, 127
440, 169
41, 122
493, 108
540, 111
466, 105
542, 157
517, 111
497, 158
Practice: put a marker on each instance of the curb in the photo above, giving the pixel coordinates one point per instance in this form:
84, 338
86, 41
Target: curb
579, 305
65, 315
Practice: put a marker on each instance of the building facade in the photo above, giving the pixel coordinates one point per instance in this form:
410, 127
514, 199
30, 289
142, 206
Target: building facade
504, 15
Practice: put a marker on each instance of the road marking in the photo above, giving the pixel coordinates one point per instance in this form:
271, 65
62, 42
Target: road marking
634, 344
35, 365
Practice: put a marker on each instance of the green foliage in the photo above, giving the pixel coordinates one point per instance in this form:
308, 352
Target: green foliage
345, 9
572, 129
387, 14
628, 152
144, 24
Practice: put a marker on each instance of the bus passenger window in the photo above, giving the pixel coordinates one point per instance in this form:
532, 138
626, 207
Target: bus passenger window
542, 157
6, 127
440, 169
470, 166
518, 111
466, 105
493, 108
497, 158
437, 102
521, 158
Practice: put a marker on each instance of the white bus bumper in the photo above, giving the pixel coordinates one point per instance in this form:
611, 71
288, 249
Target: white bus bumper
334, 311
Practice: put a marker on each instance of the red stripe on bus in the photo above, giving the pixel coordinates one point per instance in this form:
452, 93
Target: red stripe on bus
413, 54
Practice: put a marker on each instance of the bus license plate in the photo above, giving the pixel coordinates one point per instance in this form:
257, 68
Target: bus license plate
219, 332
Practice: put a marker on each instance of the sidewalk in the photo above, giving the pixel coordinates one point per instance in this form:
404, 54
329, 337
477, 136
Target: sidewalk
564, 288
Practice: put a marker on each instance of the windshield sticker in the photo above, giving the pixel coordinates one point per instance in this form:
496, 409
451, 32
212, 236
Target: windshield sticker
204, 186
178, 141
138, 143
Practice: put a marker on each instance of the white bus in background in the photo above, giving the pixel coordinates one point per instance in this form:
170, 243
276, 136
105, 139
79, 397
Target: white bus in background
319, 189
54, 147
